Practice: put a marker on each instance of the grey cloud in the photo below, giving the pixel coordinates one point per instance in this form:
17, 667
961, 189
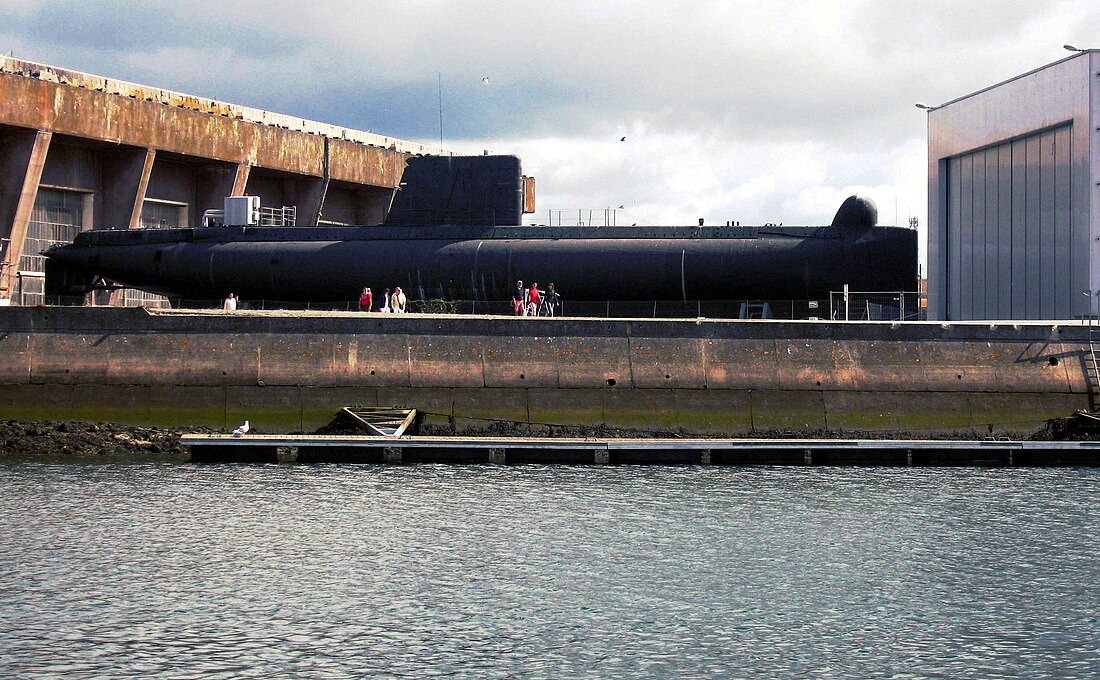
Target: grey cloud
732, 77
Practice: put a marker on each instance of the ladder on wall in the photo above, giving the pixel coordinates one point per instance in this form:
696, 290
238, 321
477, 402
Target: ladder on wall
1092, 367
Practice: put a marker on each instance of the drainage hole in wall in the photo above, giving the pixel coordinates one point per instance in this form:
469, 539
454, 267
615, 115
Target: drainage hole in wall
66, 370
819, 383
1053, 361
667, 376
521, 376
610, 382
224, 373
959, 376
372, 372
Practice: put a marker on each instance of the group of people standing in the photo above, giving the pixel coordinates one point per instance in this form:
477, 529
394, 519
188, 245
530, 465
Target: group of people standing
526, 301
395, 302
534, 302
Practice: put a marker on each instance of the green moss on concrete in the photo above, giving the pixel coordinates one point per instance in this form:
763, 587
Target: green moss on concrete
700, 412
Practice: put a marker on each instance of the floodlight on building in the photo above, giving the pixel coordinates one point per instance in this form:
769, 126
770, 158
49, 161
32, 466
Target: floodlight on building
926, 107
1072, 48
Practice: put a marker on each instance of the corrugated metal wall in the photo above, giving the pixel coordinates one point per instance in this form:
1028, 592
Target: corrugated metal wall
1010, 240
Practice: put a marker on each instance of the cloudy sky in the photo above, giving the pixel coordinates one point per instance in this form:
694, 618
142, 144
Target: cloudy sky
736, 110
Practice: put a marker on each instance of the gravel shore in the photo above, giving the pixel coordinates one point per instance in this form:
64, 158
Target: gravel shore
90, 442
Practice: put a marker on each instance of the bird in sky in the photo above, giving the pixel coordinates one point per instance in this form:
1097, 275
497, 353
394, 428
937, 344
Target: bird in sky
241, 430
622, 139
485, 80
620, 207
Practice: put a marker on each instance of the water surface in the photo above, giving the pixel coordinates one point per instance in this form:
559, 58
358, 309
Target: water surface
543, 571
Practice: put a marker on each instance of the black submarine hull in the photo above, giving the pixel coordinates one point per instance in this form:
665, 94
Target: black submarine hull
305, 264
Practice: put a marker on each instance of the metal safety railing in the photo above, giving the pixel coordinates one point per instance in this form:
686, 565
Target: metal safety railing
285, 216
806, 310
889, 308
846, 305
585, 217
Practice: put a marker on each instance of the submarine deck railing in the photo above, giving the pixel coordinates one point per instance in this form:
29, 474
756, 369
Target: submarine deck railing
890, 306
605, 451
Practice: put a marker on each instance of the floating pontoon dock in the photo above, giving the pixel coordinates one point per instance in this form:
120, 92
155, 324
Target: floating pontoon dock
578, 451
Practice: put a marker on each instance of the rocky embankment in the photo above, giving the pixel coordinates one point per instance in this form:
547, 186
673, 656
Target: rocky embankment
92, 442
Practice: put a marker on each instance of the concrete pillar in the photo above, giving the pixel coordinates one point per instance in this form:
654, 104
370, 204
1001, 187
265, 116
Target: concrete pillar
22, 160
212, 184
309, 196
125, 181
240, 181
372, 204
126, 175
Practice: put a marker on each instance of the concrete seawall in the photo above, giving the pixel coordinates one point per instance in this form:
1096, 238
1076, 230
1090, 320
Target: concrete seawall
288, 371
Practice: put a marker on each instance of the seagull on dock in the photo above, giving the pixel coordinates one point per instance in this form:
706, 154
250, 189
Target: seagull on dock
241, 430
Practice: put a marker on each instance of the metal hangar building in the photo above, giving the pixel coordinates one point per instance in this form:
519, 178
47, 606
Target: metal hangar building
1014, 197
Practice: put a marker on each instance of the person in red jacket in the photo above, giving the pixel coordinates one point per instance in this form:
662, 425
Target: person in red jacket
366, 300
533, 300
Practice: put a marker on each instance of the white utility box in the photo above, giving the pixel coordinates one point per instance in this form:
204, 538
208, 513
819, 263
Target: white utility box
242, 210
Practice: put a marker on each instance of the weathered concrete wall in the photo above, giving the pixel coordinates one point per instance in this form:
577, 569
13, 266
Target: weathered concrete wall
132, 121
292, 371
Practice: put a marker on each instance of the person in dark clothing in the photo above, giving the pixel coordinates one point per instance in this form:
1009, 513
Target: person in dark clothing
551, 298
519, 297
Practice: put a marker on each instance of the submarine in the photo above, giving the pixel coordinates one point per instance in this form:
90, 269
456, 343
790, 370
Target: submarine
457, 262
442, 238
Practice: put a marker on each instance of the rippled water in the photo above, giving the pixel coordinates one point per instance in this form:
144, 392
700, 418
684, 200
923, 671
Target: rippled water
336, 571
